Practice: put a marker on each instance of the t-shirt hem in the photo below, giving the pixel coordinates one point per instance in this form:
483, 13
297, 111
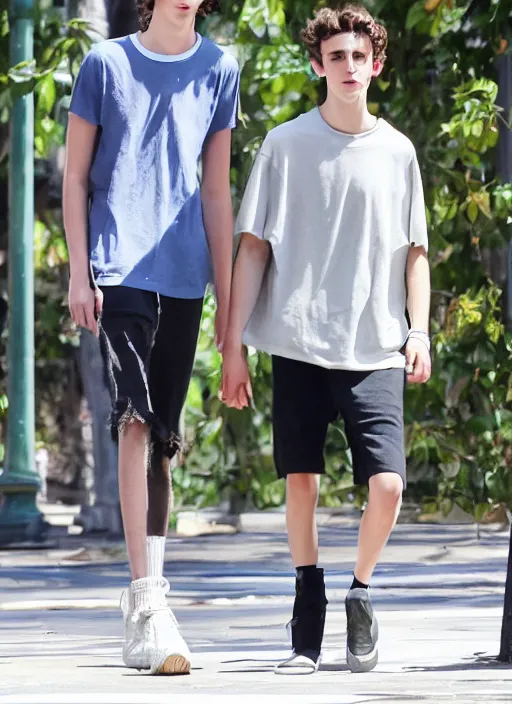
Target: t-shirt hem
232, 125
419, 243
84, 115
164, 289
394, 362
250, 231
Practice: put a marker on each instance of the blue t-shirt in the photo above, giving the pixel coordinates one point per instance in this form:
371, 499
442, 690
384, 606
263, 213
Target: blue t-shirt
155, 113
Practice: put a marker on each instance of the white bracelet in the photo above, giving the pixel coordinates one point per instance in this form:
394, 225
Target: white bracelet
420, 335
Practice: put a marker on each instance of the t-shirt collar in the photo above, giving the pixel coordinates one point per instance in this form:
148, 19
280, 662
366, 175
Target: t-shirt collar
165, 58
354, 137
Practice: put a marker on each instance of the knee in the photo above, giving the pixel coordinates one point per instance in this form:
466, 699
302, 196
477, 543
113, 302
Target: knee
302, 488
386, 490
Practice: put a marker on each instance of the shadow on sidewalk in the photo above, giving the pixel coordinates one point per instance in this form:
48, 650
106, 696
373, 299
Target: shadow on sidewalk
479, 662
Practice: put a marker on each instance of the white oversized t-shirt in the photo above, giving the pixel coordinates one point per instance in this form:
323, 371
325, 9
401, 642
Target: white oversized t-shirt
340, 212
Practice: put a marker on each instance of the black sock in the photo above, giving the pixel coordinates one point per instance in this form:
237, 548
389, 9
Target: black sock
307, 570
356, 584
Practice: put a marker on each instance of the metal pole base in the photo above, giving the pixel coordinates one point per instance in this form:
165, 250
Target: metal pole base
20, 519
506, 626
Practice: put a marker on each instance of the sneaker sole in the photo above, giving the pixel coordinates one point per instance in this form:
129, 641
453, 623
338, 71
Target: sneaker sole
367, 662
297, 665
174, 665
362, 663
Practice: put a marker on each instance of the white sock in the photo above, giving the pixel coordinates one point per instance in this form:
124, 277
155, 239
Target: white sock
156, 553
148, 593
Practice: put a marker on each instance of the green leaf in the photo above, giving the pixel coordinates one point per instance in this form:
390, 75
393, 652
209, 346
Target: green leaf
452, 212
47, 94
450, 469
23, 72
210, 431
465, 504
4, 24
446, 506
472, 211
415, 15
481, 510
483, 201
493, 137
477, 128
194, 395
481, 424
39, 145
429, 507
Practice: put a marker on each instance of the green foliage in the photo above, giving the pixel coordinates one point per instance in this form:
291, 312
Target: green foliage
438, 87
58, 51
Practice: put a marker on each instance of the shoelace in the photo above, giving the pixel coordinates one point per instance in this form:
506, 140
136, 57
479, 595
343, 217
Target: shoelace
158, 608
164, 610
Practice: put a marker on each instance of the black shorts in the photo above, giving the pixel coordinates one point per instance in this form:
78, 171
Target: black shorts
308, 397
148, 343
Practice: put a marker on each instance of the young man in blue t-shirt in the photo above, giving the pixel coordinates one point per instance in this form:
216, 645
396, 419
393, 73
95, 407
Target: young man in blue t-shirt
142, 233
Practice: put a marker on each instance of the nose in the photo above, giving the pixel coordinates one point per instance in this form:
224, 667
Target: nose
350, 65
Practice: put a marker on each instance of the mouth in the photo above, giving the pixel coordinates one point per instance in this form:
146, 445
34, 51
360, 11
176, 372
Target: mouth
350, 82
184, 7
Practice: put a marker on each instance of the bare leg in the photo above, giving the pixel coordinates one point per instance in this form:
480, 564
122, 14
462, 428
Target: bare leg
301, 501
379, 518
133, 458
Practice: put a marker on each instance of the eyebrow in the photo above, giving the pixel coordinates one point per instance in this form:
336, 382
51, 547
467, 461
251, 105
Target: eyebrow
344, 51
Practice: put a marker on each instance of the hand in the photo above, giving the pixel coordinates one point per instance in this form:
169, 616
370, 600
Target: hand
236, 389
85, 304
418, 363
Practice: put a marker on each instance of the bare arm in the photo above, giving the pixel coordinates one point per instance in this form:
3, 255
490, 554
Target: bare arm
250, 267
218, 220
251, 263
418, 305
84, 303
418, 288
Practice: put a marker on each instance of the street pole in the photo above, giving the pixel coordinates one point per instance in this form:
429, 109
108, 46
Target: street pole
505, 171
20, 518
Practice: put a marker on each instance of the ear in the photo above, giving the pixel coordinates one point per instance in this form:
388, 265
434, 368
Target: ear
318, 68
377, 68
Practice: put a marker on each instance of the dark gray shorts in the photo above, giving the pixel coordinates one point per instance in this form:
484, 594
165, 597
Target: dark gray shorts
308, 397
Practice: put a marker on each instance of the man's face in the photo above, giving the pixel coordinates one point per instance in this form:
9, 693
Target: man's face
348, 65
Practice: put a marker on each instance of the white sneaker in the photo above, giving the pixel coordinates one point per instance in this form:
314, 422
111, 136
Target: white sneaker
152, 640
297, 664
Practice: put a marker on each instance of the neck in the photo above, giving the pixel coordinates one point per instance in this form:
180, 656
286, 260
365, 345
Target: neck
352, 118
167, 37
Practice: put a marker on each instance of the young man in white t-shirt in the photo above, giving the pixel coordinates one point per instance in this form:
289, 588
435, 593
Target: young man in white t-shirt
333, 250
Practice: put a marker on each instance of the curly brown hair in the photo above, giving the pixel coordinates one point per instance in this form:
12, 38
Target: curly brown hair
329, 22
145, 9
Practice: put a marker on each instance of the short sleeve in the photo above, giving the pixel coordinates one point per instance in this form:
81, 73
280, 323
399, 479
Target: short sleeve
226, 111
418, 234
87, 98
253, 214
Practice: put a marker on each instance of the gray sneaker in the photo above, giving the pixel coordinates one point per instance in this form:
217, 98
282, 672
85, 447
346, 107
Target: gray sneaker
362, 631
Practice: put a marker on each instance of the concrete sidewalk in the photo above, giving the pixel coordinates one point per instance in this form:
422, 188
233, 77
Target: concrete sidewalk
438, 593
